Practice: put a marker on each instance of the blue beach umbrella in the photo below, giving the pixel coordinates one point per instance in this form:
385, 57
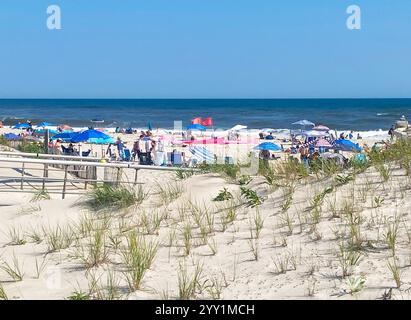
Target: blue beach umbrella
12, 137
346, 145
93, 136
268, 146
43, 131
44, 124
196, 127
65, 136
21, 126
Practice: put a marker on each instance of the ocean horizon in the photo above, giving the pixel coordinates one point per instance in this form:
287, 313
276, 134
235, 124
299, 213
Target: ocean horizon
340, 114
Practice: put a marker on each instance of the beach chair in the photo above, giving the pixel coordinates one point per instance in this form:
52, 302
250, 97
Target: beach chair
66, 151
126, 154
177, 159
85, 153
202, 154
145, 158
169, 158
229, 160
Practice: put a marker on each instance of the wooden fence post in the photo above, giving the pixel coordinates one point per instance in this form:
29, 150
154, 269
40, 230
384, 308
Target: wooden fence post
45, 175
22, 176
135, 177
65, 181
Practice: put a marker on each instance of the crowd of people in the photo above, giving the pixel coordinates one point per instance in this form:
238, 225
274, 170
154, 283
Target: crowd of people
143, 149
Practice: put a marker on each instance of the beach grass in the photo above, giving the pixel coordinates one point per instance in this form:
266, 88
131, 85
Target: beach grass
41, 194
14, 269
114, 197
188, 283
138, 256
3, 294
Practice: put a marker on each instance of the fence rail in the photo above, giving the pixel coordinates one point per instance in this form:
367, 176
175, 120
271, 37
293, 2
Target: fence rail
71, 176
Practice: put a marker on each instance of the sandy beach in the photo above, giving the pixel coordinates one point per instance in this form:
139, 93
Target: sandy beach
317, 236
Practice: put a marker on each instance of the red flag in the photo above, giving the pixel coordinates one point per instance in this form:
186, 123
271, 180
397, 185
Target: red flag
207, 122
196, 121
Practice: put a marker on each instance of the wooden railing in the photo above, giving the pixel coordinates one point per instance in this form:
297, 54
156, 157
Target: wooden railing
77, 174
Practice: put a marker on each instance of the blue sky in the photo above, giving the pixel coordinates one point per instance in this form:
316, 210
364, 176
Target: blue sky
205, 49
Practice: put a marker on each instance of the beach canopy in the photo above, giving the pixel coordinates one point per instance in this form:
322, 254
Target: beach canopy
322, 143
238, 127
202, 154
304, 123
321, 128
196, 127
314, 133
268, 146
65, 136
21, 126
44, 124
346, 145
11, 137
92, 136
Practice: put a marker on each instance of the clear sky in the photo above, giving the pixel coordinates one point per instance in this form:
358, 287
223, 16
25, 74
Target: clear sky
205, 49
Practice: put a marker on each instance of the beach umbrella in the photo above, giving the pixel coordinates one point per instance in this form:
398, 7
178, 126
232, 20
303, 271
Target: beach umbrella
304, 123
43, 131
321, 128
196, 127
21, 126
92, 136
314, 133
44, 124
65, 136
323, 143
65, 127
268, 146
238, 127
346, 145
11, 137
150, 128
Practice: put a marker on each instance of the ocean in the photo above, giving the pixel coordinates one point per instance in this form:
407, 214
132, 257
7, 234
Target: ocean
339, 114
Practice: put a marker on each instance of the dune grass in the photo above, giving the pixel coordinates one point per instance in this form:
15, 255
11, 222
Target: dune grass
188, 283
169, 192
95, 252
16, 237
106, 196
138, 256
14, 269
3, 295
41, 194
58, 238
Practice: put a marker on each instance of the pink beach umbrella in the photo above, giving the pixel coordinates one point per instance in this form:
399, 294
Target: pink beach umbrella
321, 128
323, 143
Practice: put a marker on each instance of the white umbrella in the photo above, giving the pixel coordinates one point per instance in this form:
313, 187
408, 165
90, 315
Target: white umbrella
238, 127
321, 128
314, 133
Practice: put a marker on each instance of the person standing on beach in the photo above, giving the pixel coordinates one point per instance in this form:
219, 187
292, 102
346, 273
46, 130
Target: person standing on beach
391, 133
57, 147
304, 155
136, 151
120, 147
